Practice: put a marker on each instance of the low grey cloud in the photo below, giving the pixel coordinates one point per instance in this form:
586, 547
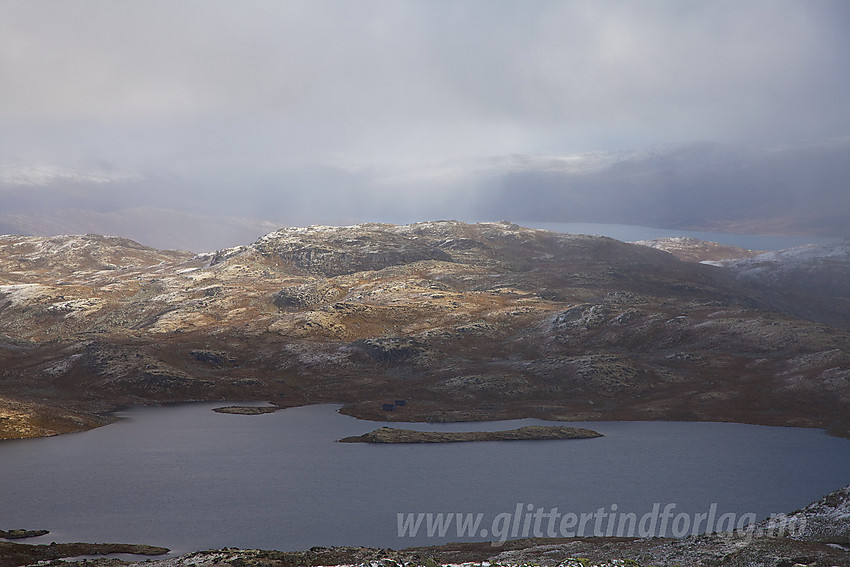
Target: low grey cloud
290, 104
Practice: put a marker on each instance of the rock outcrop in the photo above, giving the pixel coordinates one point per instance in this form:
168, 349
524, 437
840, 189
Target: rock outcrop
825, 521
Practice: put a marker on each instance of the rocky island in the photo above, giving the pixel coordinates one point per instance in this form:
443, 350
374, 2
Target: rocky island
246, 410
21, 534
529, 433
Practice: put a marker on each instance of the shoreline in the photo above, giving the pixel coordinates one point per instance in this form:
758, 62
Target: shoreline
103, 417
719, 549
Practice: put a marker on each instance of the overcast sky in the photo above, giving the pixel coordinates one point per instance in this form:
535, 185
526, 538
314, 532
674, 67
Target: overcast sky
219, 94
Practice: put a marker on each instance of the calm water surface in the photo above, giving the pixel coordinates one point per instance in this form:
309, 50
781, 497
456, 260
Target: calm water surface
630, 233
188, 478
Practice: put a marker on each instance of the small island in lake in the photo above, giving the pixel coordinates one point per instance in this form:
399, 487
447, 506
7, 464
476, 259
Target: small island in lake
529, 433
246, 410
22, 534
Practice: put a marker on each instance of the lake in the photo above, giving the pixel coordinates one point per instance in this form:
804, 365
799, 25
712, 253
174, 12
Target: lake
187, 478
630, 233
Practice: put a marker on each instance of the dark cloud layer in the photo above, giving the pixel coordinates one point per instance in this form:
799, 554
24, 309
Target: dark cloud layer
278, 106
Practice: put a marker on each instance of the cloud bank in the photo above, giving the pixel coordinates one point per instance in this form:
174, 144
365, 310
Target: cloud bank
276, 108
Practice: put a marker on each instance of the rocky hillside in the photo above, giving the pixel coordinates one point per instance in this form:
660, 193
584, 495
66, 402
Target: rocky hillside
811, 282
463, 321
824, 521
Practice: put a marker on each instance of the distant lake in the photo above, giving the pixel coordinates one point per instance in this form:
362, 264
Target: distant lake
187, 478
630, 233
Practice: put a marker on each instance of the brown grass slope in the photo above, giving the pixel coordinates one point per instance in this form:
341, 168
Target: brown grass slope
464, 321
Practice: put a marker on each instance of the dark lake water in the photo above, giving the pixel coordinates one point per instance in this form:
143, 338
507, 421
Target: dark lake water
188, 478
629, 233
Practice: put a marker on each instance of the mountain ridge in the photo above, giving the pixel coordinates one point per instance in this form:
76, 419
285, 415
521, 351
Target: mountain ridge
466, 321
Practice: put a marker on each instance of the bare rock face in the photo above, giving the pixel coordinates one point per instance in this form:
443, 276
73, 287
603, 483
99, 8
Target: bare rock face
391, 349
467, 321
335, 251
824, 521
307, 295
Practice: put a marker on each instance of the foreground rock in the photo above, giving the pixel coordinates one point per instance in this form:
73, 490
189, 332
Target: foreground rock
826, 521
15, 554
762, 546
530, 433
704, 551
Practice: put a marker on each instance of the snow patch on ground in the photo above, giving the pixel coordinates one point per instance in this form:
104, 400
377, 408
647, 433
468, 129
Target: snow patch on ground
790, 257
21, 295
77, 307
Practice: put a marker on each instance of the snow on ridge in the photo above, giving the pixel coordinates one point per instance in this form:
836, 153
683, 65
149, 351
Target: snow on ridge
790, 256
291, 231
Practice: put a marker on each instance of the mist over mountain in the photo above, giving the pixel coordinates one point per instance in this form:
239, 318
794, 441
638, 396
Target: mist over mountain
796, 189
729, 116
